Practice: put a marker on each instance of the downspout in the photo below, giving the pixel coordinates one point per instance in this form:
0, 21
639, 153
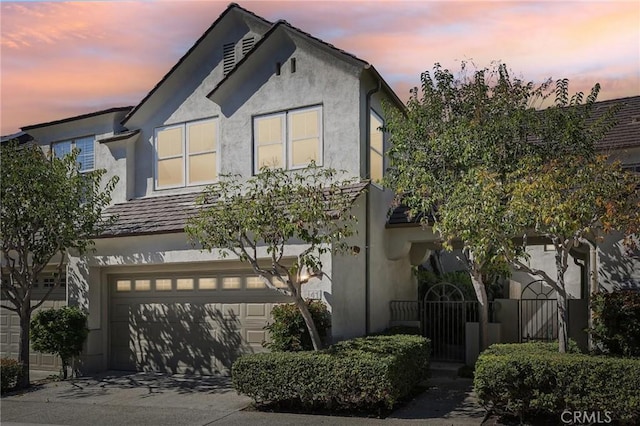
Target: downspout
367, 234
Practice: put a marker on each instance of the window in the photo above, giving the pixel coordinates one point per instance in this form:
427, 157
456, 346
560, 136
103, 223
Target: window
86, 157
634, 168
290, 139
186, 153
376, 148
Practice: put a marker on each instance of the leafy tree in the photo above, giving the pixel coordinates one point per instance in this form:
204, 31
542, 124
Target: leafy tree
451, 156
47, 208
256, 218
569, 200
60, 332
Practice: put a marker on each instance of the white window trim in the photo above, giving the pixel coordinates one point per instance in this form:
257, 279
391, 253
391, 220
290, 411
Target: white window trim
287, 143
283, 135
72, 141
290, 113
185, 153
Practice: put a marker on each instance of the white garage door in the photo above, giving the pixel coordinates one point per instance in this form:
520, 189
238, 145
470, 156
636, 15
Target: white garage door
187, 323
10, 328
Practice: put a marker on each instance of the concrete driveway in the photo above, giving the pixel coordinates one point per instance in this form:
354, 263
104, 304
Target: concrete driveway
124, 398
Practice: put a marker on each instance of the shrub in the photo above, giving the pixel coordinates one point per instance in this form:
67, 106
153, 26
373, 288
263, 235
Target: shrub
288, 331
10, 371
366, 373
60, 332
617, 322
531, 379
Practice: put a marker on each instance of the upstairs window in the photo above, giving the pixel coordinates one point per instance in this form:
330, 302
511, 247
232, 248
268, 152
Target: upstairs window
186, 154
289, 139
376, 148
86, 157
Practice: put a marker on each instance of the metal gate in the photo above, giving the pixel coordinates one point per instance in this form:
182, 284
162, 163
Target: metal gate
538, 313
444, 315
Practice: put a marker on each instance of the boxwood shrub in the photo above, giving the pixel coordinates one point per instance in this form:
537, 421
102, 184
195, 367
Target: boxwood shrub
10, 371
364, 374
531, 379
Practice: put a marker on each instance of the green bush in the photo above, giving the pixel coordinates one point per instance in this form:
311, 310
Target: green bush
617, 322
531, 379
364, 374
10, 371
288, 331
60, 332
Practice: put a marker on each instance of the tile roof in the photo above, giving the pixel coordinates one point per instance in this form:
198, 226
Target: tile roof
169, 213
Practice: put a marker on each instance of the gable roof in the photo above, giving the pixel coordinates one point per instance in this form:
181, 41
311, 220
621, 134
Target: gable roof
169, 213
232, 7
282, 25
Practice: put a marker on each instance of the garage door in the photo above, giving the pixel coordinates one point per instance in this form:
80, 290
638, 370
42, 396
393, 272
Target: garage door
187, 323
10, 328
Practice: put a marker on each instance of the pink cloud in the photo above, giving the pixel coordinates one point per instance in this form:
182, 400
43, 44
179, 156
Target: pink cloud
60, 59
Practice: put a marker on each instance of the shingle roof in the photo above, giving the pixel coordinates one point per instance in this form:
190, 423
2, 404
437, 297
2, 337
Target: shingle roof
78, 117
168, 213
626, 132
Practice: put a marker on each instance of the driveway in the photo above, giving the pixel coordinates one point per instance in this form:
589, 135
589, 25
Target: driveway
124, 398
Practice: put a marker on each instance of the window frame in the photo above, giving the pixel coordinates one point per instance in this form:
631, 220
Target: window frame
287, 136
185, 153
72, 143
373, 113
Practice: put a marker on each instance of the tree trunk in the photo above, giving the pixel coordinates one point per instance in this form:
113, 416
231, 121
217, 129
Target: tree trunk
483, 300
23, 355
308, 319
563, 314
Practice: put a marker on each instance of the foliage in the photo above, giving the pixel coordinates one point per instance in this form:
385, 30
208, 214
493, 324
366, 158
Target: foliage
617, 322
460, 279
255, 219
10, 370
288, 331
366, 373
60, 332
47, 207
451, 154
518, 380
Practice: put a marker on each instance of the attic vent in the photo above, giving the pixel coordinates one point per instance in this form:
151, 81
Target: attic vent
228, 57
247, 44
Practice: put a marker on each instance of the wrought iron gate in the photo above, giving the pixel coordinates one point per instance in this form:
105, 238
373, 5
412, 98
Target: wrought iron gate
538, 313
444, 315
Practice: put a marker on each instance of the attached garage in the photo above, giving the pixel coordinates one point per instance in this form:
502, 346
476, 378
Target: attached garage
187, 322
10, 328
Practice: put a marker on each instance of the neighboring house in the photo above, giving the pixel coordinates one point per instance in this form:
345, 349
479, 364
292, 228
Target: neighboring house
248, 93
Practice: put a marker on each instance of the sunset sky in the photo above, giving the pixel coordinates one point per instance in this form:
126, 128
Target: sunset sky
63, 59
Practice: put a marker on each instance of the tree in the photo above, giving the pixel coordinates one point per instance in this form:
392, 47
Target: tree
255, 219
452, 152
48, 207
570, 200
60, 332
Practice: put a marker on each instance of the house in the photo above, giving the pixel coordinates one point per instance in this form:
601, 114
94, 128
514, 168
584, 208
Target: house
249, 92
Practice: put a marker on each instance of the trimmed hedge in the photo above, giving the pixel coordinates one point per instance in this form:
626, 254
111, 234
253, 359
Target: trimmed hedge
288, 332
365, 373
10, 371
531, 379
